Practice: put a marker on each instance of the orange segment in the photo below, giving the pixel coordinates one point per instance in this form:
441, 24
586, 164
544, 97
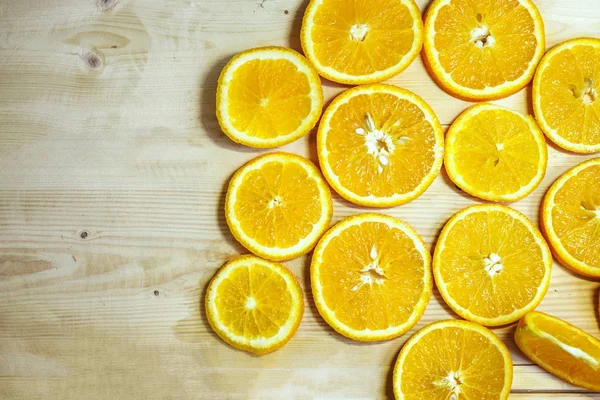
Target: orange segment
571, 218
254, 305
278, 206
452, 360
268, 96
370, 277
565, 95
495, 154
483, 50
380, 145
359, 41
491, 264
561, 349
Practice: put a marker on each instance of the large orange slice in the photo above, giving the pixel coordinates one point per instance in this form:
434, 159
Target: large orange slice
571, 218
268, 96
254, 305
482, 50
453, 360
561, 349
565, 95
359, 41
495, 154
278, 206
491, 264
380, 145
370, 277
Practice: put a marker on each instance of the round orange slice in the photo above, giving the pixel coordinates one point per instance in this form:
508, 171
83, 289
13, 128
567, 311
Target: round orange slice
491, 265
370, 277
356, 42
565, 95
268, 97
571, 218
278, 206
254, 305
483, 50
453, 360
380, 145
495, 154
561, 349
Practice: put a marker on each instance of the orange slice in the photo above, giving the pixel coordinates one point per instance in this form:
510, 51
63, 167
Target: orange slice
565, 95
571, 218
495, 154
453, 360
370, 277
254, 305
357, 42
278, 206
483, 50
491, 264
380, 145
561, 349
268, 96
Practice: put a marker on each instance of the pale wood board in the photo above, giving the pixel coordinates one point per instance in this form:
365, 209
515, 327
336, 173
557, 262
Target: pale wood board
129, 153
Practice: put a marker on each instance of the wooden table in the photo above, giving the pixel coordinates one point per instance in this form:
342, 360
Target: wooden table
112, 179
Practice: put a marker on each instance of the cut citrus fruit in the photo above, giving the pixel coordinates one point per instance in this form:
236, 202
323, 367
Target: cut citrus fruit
565, 95
571, 218
491, 264
254, 305
453, 360
358, 42
268, 96
561, 349
380, 145
483, 50
278, 206
370, 277
495, 154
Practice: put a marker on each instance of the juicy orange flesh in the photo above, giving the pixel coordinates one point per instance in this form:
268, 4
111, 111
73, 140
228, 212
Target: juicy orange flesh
556, 359
388, 38
566, 101
576, 216
268, 98
278, 204
442, 352
476, 237
496, 152
412, 136
509, 24
389, 299
271, 299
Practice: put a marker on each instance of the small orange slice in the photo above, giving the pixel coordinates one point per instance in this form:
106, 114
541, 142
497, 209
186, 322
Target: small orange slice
356, 41
278, 206
495, 154
370, 277
566, 91
380, 145
561, 349
571, 218
254, 305
483, 50
268, 96
453, 360
491, 264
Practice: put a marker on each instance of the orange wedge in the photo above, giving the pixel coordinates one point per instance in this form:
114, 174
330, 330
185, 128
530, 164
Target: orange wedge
268, 96
561, 349
483, 50
356, 42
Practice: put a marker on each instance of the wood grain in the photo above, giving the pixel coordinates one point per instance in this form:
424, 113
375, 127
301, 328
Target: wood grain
112, 177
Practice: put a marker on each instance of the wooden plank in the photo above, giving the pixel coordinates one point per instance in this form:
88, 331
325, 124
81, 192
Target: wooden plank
112, 177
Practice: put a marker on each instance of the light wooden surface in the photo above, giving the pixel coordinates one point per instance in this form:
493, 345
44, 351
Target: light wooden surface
112, 177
